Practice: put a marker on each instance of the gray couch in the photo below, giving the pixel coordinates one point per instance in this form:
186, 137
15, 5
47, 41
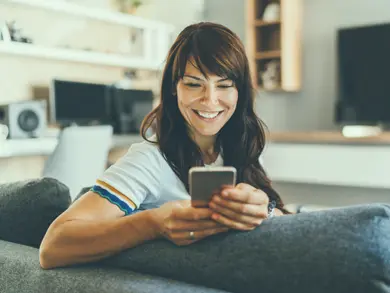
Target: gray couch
20, 273
26, 210
337, 250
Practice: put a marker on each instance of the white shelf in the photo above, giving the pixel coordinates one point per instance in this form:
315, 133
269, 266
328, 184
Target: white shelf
45, 146
156, 37
94, 13
71, 55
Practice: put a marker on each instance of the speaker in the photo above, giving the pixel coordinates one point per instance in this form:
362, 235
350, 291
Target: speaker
25, 119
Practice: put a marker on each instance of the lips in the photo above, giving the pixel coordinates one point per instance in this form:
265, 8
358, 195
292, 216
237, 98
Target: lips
207, 114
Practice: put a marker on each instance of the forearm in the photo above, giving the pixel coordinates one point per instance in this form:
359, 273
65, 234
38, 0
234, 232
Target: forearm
81, 241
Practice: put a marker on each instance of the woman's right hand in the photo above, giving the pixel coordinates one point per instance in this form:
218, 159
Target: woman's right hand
183, 224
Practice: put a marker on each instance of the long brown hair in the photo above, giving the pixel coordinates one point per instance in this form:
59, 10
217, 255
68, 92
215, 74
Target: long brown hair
215, 49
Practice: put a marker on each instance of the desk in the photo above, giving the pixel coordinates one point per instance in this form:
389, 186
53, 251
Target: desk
322, 158
328, 158
23, 159
45, 146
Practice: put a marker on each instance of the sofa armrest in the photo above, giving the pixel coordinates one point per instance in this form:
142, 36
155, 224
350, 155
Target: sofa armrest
21, 273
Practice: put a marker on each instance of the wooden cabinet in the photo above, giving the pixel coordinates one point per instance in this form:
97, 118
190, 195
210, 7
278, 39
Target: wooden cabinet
274, 44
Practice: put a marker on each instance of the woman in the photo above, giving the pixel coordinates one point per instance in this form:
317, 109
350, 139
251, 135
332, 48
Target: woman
205, 117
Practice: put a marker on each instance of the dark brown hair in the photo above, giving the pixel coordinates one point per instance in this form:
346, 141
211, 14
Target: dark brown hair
214, 49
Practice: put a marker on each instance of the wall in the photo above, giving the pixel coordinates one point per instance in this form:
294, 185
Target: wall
20, 77
56, 29
312, 107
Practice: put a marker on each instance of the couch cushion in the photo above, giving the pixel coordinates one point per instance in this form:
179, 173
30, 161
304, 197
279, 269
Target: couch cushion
339, 250
20, 273
27, 208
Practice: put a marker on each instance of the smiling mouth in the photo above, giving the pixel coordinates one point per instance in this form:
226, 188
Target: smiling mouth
207, 115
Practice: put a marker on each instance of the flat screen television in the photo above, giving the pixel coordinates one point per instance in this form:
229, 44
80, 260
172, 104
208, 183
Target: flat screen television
363, 77
79, 103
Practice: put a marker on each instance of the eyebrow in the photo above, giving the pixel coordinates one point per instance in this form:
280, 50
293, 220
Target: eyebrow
198, 78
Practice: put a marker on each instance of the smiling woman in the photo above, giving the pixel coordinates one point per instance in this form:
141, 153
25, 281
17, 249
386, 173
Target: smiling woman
205, 117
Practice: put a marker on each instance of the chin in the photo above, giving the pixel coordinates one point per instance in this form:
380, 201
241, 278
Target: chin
207, 132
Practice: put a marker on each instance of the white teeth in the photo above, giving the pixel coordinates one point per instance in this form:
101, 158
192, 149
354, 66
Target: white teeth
209, 115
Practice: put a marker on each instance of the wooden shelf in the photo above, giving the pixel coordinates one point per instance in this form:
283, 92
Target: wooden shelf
276, 41
268, 55
327, 137
274, 90
260, 22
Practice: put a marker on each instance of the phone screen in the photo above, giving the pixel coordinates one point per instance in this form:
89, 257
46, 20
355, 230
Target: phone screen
206, 181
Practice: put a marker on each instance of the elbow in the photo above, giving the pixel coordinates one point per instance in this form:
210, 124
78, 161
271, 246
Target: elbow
44, 259
47, 251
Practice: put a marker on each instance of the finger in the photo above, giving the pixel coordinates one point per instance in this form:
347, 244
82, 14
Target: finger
237, 217
191, 213
182, 225
254, 210
253, 196
232, 224
197, 235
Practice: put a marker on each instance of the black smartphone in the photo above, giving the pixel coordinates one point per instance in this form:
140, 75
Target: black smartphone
204, 182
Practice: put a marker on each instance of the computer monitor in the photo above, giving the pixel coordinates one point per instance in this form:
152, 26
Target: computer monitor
79, 103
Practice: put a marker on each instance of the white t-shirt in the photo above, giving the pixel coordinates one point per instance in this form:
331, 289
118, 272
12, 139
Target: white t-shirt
142, 179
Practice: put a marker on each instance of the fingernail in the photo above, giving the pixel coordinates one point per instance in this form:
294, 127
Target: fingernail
225, 193
215, 216
216, 199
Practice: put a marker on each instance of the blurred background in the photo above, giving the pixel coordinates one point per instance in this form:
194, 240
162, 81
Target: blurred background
70, 68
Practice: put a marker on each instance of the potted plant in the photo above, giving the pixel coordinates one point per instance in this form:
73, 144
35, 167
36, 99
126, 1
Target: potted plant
128, 6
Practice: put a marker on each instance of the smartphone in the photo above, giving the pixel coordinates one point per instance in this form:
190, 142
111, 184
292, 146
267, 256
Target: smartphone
204, 182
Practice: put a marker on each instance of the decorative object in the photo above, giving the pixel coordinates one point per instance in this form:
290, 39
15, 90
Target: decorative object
272, 12
271, 76
5, 33
10, 33
3, 132
128, 6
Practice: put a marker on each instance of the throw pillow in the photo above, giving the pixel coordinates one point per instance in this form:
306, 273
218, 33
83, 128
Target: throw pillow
339, 250
27, 208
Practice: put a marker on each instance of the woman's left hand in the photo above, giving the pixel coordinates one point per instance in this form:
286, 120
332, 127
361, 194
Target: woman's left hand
242, 207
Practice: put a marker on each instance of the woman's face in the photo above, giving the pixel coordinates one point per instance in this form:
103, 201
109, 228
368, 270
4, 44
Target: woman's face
206, 103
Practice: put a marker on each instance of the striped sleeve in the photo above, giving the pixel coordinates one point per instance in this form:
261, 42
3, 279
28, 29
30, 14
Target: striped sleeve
114, 196
132, 179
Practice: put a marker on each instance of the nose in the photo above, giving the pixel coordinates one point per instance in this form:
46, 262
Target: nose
211, 96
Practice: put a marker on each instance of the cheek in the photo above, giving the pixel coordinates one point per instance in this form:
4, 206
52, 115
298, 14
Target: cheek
231, 100
183, 98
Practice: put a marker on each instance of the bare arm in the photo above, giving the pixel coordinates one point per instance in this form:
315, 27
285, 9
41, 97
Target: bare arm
91, 229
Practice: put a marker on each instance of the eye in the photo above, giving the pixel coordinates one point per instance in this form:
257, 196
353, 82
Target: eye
225, 86
193, 85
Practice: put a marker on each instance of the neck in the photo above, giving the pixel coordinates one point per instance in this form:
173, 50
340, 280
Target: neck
206, 145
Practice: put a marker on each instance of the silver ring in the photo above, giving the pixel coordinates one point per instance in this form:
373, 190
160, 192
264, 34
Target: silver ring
192, 235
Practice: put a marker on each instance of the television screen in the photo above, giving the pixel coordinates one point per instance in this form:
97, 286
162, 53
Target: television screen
79, 102
364, 75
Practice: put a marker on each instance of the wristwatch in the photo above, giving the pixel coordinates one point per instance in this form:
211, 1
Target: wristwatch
271, 209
